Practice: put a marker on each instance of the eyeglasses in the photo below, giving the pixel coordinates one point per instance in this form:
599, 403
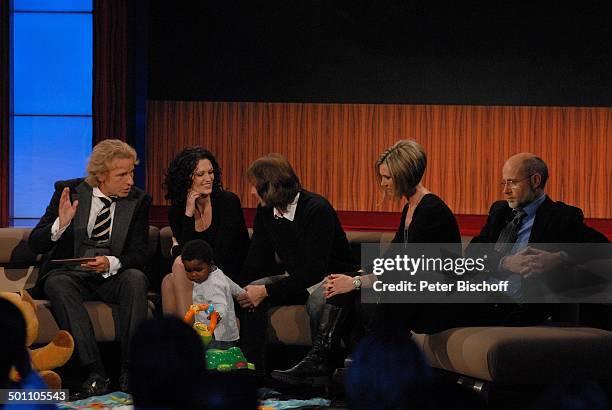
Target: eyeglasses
512, 183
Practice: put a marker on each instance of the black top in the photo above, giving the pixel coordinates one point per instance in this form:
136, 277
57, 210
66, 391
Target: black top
227, 233
310, 247
432, 222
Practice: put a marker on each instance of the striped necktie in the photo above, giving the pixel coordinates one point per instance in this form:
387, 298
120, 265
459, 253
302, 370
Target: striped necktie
101, 229
509, 234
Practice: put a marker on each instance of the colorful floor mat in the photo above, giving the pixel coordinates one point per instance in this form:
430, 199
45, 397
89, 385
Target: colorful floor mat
274, 404
117, 400
123, 401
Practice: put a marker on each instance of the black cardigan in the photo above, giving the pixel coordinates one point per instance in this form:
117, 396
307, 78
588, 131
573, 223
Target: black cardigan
311, 247
227, 233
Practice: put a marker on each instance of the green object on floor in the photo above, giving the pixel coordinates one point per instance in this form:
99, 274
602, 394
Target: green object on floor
227, 360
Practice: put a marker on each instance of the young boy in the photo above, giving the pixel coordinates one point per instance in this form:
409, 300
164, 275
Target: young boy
213, 287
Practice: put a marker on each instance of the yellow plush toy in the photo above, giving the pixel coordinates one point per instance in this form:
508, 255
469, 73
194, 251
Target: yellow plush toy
55, 354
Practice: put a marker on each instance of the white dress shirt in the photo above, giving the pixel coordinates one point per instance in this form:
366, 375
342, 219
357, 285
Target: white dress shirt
290, 212
96, 207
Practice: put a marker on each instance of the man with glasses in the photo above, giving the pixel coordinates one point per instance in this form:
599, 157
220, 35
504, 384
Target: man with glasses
528, 216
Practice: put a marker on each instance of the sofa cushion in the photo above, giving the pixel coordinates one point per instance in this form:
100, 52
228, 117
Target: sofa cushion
19, 270
289, 325
18, 264
165, 241
14, 279
521, 355
103, 317
14, 249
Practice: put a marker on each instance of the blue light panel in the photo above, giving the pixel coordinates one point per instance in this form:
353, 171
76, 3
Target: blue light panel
53, 63
55, 5
46, 149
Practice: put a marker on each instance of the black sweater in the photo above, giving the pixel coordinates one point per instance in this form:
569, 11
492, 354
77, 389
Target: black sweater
432, 222
227, 233
311, 247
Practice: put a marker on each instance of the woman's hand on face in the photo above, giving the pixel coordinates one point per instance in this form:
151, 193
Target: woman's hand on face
337, 284
190, 205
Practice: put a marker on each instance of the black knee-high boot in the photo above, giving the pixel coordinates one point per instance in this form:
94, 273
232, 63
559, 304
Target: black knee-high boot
316, 367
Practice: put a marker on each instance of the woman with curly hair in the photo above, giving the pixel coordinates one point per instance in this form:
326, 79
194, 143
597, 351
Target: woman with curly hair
201, 209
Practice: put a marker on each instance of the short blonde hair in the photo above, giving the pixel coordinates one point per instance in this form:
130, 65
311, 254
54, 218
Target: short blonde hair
406, 161
102, 156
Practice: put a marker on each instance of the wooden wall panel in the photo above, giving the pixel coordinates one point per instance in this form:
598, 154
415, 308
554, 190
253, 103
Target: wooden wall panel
333, 148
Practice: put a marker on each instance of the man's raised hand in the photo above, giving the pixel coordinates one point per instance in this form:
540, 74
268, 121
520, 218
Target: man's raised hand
66, 210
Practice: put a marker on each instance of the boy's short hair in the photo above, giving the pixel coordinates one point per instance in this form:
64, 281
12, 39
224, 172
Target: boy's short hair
197, 249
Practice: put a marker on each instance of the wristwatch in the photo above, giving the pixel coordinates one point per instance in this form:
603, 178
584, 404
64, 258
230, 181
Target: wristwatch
357, 282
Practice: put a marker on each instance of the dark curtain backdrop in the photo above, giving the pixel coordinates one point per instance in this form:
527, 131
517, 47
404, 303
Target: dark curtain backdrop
4, 113
113, 71
523, 53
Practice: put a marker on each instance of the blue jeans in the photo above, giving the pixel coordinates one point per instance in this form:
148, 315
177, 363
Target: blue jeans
254, 324
314, 303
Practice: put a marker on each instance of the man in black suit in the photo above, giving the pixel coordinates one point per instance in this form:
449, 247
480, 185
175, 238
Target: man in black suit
528, 216
541, 219
104, 217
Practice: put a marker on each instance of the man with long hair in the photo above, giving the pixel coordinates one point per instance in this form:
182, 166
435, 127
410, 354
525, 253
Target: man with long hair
297, 241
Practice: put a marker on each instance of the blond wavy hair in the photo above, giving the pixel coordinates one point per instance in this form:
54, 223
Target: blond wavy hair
102, 156
406, 161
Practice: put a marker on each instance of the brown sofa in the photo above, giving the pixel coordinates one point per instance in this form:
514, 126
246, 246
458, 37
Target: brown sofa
474, 355
19, 270
501, 355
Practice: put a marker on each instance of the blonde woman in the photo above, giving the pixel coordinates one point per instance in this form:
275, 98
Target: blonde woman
425, 219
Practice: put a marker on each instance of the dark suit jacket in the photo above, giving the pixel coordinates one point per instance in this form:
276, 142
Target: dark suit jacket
129, 238
555, 222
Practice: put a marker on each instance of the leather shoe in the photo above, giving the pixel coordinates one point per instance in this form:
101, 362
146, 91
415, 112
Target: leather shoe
124, 382
95, 385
